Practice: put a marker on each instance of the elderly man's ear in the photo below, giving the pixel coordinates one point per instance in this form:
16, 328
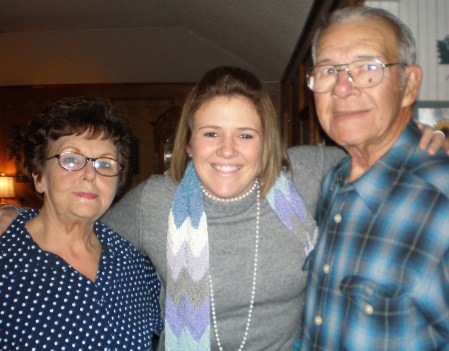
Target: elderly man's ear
413, 77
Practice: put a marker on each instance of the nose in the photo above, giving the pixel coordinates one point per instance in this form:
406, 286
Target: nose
344, 85
228, 147
89, 171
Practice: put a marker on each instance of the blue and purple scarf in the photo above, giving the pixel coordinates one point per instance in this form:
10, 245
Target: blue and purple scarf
187, 302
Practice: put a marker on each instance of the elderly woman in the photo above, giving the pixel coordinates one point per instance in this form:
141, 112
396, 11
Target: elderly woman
67, 281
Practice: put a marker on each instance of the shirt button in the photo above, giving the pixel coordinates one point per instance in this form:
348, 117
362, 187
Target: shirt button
318, 320
326, 268
369, 309
337, 218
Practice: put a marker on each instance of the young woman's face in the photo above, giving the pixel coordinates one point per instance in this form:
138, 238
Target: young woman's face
226, 145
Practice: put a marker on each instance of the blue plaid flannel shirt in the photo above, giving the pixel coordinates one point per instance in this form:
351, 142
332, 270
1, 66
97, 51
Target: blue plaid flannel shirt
379, 275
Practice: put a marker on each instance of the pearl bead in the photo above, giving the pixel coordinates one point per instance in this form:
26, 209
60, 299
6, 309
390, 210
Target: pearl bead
232, 199
253, 287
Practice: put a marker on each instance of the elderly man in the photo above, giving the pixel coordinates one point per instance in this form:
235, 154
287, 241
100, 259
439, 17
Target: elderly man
379, 275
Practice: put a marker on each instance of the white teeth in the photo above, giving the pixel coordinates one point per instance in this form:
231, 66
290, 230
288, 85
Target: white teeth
226, 168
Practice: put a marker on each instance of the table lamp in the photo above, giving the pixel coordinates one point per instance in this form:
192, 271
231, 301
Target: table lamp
6, 188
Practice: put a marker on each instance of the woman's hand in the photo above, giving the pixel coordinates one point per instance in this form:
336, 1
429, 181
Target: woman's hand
7, 215
432, 140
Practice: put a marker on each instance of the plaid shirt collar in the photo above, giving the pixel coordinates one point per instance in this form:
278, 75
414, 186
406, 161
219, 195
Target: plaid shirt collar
377, 183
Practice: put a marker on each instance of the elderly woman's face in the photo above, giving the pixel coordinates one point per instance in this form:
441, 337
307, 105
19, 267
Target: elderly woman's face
83, 194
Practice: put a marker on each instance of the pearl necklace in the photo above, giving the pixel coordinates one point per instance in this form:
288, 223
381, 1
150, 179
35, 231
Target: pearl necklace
253, 288
232, 199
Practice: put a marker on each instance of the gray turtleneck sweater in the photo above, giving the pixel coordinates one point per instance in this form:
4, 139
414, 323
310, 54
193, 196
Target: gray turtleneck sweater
142, 218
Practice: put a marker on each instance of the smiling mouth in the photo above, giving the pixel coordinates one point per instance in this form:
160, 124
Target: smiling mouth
226, 168
349, 113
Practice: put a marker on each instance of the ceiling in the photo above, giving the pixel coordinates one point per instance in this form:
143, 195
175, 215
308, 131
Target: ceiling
130, 41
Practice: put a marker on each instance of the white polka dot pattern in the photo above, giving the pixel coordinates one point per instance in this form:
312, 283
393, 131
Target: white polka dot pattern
47, 305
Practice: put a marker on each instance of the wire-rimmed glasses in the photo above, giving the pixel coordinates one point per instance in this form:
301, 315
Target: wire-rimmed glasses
361, 73
73, 161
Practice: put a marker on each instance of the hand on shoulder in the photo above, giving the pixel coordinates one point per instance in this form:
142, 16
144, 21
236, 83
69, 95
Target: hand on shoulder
432, 140
7, 216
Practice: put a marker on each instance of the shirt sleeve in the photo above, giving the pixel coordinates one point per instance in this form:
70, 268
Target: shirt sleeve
435, 301
123, 216
310, 163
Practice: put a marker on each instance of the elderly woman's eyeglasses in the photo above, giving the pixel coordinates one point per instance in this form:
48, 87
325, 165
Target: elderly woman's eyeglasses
361, 74
73, 161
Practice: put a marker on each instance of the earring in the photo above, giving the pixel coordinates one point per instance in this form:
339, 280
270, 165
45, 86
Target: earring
189, 155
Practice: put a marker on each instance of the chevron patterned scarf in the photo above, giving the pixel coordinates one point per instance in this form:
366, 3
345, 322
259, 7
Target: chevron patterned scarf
187, 302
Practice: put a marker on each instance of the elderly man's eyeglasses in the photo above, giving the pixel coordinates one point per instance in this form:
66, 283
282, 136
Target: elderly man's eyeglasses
73, 161
361, 74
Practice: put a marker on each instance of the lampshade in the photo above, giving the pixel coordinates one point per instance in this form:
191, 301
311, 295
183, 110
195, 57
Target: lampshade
6, 187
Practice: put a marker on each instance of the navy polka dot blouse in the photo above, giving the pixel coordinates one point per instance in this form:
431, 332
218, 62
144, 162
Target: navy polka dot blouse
47, 305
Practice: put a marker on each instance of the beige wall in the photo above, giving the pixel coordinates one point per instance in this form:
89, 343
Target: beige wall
429, 22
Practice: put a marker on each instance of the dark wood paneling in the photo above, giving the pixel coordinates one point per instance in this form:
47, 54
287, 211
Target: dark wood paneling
300, 124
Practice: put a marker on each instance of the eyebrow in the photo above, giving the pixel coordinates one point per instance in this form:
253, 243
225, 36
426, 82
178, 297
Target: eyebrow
70, 148
357, 58
238, 128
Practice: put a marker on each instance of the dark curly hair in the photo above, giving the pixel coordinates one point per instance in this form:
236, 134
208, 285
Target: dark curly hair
75, 116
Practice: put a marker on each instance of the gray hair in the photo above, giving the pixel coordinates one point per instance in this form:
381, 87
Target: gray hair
404, 36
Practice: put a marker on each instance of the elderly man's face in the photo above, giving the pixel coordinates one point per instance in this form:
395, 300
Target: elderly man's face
364, 118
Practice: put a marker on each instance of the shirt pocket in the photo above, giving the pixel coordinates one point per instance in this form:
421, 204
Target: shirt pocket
377, 314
